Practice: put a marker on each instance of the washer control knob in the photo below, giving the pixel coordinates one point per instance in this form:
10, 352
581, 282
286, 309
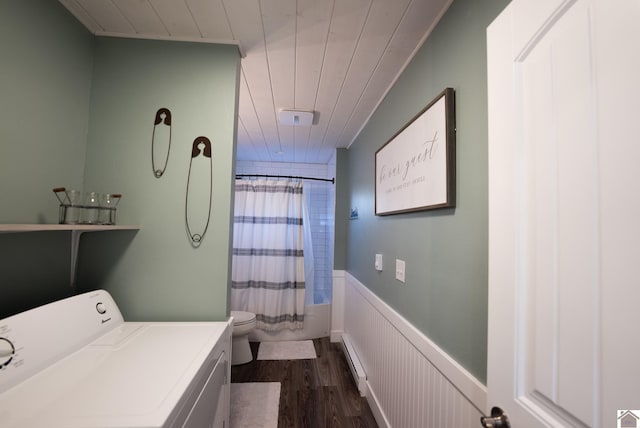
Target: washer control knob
6, 352
101, 308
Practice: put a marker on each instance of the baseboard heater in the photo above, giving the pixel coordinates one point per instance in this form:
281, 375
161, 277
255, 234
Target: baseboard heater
357, 371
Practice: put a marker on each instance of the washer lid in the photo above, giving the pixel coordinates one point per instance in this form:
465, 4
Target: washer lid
242, 317
134, 376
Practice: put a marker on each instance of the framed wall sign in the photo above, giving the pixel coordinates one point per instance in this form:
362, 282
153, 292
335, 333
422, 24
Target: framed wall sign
415, 169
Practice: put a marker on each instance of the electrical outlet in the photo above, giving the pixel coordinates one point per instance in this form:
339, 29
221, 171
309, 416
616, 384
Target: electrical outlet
400, 270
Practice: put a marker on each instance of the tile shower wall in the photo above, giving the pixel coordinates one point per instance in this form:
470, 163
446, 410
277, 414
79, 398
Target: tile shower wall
321, 196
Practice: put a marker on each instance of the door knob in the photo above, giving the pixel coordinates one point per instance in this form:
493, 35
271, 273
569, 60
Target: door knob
498, 419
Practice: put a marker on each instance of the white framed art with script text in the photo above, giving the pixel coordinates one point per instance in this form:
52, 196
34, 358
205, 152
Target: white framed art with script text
415, 169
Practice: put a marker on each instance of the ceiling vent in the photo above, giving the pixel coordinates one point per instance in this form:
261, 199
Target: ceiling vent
295, 118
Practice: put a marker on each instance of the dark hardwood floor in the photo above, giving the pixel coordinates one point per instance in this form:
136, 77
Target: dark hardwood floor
317, 393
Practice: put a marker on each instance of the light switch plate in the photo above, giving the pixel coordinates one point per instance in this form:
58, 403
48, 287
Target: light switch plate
378, 262
400, 270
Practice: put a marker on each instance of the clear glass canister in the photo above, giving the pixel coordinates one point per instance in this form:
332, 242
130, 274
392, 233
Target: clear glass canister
90, 212
70, 205
108, 205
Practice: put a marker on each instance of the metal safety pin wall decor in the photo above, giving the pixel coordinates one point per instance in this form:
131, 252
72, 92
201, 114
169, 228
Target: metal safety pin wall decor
200, 173
163, 116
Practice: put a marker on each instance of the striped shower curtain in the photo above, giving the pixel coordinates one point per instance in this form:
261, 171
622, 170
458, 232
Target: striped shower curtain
267, 276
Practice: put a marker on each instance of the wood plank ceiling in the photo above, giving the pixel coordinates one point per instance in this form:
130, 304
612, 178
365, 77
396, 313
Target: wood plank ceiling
337, 58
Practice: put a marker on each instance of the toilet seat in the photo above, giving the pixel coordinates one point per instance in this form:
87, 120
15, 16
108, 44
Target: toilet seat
242, 318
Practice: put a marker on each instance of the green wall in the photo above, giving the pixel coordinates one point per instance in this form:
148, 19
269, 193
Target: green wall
46, 62
66, 122
160, 275
341, 210
445, 294
45, 83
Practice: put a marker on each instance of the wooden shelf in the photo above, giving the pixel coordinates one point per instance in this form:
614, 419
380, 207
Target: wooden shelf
15, 228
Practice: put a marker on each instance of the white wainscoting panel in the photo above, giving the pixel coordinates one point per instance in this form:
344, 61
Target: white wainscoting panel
411, 381
337, 306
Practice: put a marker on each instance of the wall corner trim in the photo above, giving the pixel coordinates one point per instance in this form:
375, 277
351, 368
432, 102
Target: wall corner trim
337, 306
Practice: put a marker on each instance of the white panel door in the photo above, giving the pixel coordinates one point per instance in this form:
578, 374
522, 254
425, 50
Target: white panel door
564, 201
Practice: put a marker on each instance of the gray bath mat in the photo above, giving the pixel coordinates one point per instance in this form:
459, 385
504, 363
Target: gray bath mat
254, 405
287, 350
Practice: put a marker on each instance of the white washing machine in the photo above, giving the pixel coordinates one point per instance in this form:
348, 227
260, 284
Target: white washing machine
76, 363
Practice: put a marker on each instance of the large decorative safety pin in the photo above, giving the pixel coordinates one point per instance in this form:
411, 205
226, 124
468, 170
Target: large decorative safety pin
198, 174
163, 115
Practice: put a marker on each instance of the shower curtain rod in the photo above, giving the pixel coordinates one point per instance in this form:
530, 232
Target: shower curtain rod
332, 180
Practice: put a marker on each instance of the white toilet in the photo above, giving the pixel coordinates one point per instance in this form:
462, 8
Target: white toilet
243, 324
